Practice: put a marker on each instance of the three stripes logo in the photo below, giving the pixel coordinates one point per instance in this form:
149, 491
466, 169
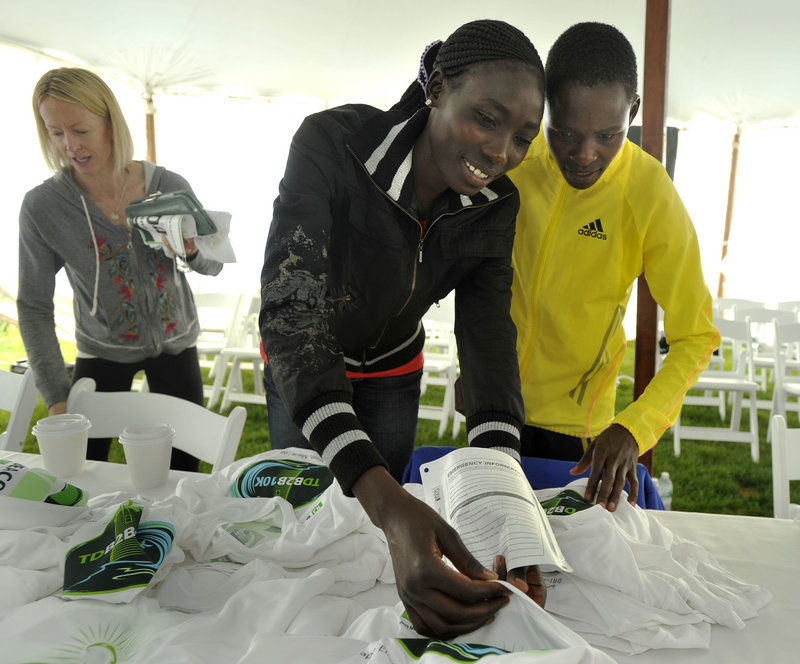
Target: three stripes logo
594, 229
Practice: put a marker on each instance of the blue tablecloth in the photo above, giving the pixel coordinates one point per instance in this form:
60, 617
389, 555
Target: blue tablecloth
541, 473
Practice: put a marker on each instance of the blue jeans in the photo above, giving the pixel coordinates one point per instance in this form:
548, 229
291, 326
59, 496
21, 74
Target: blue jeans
387, 408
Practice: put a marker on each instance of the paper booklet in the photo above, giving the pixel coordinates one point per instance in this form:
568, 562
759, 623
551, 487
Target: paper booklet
485, 496
176, 227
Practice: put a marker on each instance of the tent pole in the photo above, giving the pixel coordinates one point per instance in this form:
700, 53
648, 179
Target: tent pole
656, 43
737, 140
150, 124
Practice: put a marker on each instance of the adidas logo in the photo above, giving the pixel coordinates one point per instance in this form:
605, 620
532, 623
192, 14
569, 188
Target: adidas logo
595, 229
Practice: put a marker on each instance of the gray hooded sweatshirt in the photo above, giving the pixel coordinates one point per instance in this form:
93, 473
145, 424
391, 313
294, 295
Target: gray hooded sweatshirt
130, 301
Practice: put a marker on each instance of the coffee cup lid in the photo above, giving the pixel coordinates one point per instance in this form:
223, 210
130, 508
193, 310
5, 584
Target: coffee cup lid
67, 422
154, 432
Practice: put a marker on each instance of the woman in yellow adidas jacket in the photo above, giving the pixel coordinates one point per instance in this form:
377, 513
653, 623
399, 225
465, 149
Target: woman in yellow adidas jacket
596, 211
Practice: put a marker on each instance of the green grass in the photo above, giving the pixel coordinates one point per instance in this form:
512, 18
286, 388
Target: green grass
714, 477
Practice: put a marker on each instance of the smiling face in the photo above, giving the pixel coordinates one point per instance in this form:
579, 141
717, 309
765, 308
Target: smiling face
82, 137
478, 128
586, 128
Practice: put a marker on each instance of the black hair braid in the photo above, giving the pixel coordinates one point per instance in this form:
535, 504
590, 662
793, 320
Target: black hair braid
473, 43
414, 96
588, 54
483, 41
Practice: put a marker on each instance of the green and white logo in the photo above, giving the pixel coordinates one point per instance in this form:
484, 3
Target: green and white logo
124, 556
299, 482
565, 503
19, 481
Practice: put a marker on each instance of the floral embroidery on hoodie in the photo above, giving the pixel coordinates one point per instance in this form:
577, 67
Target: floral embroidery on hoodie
121, 273
166, 307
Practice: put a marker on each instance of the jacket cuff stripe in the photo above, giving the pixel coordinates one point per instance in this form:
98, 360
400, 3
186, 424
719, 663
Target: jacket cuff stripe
335, 432
494, 427
514, 454
340, 442
496, 430
321, 414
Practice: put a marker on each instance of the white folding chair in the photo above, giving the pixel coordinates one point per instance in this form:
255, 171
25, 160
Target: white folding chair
717, 362
787, 367
441, 362
660, 334
219, 317
440, 369
785, 467
725, 307
245, 357
789, 305
18, 396
242, 354
738, 380
762, 331
209, 436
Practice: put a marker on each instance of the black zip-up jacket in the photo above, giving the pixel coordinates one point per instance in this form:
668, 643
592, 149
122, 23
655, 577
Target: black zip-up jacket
349, 272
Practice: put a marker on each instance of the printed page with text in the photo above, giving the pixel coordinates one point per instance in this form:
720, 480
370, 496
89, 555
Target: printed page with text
485, 496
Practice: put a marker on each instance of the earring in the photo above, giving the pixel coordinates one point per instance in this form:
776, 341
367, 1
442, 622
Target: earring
428, 101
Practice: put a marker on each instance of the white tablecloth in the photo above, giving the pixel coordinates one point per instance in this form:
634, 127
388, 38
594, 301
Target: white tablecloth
759, 550
104, 477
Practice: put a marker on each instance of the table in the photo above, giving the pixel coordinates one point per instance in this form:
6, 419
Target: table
759, 550
104, 476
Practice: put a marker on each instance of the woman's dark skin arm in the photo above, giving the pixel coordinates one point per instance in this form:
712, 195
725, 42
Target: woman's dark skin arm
441, 602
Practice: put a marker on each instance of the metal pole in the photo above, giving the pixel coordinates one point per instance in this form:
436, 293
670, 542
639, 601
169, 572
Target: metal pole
737, 139
654, 94
150, 124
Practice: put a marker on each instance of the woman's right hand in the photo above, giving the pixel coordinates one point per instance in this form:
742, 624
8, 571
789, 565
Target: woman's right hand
441, 602
58, 408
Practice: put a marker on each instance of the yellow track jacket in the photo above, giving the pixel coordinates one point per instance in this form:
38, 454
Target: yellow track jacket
577, 254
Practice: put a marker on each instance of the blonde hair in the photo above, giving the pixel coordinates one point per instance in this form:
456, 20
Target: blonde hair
86, 89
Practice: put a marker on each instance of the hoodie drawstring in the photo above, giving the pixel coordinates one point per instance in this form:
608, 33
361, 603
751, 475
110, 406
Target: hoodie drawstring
93, 312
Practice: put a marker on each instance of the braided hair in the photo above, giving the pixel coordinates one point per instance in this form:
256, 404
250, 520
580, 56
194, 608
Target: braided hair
473, 43
589, 54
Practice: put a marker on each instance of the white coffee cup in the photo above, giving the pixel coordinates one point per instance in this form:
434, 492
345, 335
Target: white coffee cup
148, 448
62, 442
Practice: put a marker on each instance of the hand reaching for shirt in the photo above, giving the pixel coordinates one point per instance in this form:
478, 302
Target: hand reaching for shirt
527, 579
613, 456
441, 602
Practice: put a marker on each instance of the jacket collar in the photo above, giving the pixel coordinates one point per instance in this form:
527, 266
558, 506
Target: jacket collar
384, 147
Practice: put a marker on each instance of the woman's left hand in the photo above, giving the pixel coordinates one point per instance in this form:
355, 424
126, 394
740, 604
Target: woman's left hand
527, 579
189, 246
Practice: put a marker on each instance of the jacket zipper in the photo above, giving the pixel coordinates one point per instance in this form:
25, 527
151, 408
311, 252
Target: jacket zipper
418, 259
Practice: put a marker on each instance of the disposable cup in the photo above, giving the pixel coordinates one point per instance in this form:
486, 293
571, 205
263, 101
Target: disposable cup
148, 448
62, 442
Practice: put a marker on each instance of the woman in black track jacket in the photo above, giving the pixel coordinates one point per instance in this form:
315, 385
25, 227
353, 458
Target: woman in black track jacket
379, 215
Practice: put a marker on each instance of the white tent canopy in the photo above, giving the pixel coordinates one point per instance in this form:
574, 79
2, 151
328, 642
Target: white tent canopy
233, 79
735, 60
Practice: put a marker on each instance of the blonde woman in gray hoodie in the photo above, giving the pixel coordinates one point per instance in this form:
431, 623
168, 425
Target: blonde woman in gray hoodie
133, 307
